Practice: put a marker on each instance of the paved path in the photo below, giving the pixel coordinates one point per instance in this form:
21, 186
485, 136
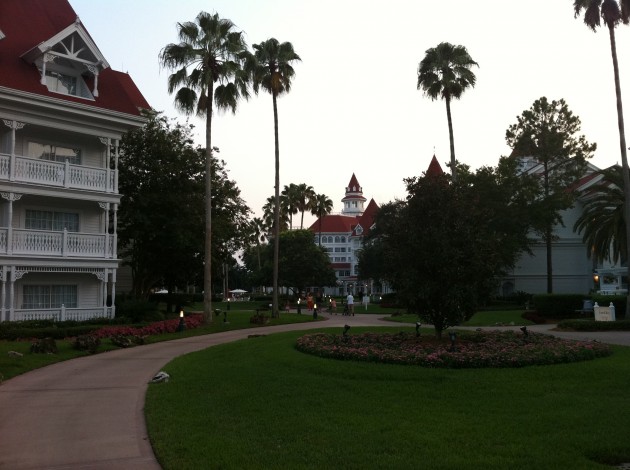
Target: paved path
87, 413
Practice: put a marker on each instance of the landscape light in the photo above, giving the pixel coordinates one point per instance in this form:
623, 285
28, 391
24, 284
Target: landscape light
345, 329
314, 311
181, 325
453, 336
418, 325
524, 330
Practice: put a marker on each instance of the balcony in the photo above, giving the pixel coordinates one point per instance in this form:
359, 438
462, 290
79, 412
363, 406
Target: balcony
59, 174
21, 242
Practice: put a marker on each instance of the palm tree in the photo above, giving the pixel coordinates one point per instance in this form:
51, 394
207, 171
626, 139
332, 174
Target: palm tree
445, 73
270, 68
208, 69
291, 198
612, 13
602, 219
305, 196
269, 215
321, 207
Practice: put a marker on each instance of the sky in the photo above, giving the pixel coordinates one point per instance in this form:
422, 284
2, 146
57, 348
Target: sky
354, 106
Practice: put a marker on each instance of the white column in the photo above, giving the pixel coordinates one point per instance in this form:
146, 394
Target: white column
3, 295
14, 126
115, 235
10, 197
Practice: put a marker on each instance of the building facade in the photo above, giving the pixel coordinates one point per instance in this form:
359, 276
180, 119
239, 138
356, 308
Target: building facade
341, 235
63, 111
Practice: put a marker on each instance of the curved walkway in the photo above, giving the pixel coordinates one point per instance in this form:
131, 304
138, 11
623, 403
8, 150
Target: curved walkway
87, 413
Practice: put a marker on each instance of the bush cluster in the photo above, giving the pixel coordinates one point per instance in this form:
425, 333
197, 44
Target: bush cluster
558, 305
592, 325
472, 350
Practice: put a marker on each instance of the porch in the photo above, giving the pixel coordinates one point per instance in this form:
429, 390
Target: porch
25, 242
59, 174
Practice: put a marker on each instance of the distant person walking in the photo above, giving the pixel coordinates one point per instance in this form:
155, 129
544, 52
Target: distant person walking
350, 302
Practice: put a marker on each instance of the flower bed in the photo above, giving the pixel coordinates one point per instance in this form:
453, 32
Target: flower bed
167, 326
472, 350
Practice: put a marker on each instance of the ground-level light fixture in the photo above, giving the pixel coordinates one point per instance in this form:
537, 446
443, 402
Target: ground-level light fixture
418, 325
181, 325
525, 332
345, 329
453, 336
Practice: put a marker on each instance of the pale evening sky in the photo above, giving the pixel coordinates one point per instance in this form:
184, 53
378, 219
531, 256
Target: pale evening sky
354, 105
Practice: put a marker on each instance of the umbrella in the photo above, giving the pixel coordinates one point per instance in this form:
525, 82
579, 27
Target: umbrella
238, 291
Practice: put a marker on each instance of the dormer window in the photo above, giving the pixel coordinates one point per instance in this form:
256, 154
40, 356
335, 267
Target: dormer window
73, 85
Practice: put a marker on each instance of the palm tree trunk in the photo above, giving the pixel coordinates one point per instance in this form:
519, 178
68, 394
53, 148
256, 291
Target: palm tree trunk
276, 214
624, 157
450, 135
207, 265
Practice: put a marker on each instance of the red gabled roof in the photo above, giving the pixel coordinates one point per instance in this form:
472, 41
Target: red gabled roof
367, 218
434, 168
27, 23
353, 185
334, 224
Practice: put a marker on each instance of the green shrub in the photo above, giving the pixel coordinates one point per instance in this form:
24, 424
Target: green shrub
86, 343
139, 310
558, 305
592, 325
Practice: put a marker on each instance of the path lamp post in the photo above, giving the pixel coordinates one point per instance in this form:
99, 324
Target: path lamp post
299, 307
181, 325
315, 312
453, 336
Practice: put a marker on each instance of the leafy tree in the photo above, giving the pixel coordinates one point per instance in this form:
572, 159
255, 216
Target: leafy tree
612, 12
321, 207
161, 218
270, 68
161, 176
443, 247
548, 133
445, 73
208, 69
302, 263
602, 219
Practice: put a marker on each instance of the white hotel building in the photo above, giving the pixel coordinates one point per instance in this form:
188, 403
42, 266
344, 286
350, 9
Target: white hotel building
63, 111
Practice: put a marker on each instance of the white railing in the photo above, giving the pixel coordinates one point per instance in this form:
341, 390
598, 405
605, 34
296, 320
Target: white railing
62, 314
49, 243
60, 174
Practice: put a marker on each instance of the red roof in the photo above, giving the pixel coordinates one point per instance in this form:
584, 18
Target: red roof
26, 24
334, 224
367, 219
353, 185
434, 168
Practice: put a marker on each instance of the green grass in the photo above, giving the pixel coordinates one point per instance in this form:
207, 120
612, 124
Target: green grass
258, 403
11, 367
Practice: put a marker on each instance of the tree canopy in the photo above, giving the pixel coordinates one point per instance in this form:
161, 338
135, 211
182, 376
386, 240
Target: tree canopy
443, 247
548, 133
161, 218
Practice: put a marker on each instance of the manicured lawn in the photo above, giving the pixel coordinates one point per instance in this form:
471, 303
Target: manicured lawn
259, 403
236, 320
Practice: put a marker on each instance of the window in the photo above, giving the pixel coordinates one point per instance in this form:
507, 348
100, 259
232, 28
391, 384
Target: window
343, 239
53, 296
359, 230
337, 239
316, 240
341, 249
66, 84
53, 221
54, 153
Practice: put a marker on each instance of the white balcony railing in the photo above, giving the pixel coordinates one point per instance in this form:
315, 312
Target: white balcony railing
48, 243
62, 314
60, 174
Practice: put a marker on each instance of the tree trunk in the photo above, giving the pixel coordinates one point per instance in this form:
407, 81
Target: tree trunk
275, 312
624, 157
548, 238
207, 265
451, 138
